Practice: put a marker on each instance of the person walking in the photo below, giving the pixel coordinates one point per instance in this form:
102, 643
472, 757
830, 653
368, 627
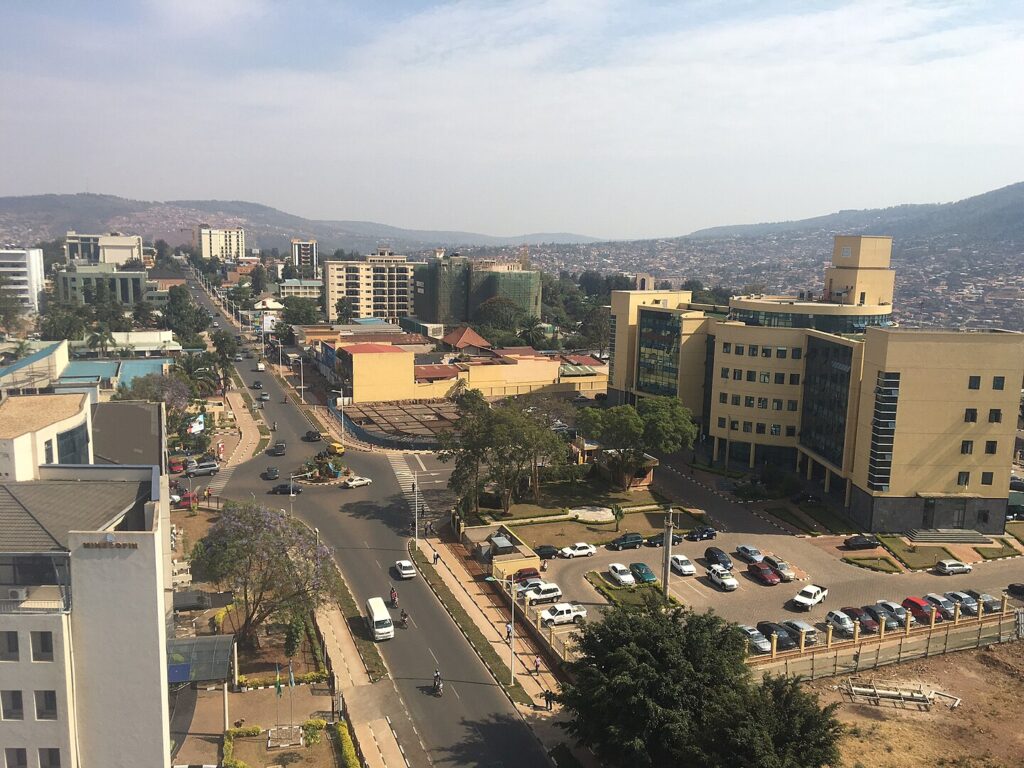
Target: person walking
548, 698
508, 632
536, 664
437, 556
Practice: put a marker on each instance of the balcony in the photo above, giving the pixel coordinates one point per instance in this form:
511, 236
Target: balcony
47, 598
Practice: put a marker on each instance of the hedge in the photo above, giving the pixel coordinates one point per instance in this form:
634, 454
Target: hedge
347, 748
229, 760
308, 677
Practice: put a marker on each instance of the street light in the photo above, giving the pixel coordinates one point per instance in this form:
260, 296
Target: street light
291, 489
512, 623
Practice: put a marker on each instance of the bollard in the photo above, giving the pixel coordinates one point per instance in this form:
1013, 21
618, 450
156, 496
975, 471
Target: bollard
931, 619
956, 614
803, 638
907, 624
856, 631
1005, 604
881, 630
775, 640
828, 636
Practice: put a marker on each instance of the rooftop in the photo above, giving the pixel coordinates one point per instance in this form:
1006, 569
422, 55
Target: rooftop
365, 349
464, 337
127, 432
22, 414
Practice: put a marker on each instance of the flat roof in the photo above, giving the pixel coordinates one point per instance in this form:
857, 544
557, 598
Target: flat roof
127, 432
369, 348
21, 414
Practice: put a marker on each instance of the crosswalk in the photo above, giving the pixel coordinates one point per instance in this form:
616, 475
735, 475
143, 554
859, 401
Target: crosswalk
406, 481
218, 481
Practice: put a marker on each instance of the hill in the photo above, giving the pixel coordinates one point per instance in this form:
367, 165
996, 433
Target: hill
996, 215
29, 219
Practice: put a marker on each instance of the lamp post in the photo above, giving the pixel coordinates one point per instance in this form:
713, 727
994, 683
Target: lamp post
291, 490
512, 623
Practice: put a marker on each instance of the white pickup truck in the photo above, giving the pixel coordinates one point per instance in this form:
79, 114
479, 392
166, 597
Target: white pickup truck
809, 596
563, 613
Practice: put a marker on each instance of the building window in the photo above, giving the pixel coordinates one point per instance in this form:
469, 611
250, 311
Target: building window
790, 431
776, 405
725, 373
760, 428
46, 705
723, 397
983, 516
49, 757
963, 478
998, 382
11, 706
739, 349
974, 382
766, 351
776, 430
735, 399
9, 646
762, 402
781, 352
791, 405
780, 378
967, 447
721, 422
737, 374
766, 377
16, 757
748, 401
48, 448
727, 347
734, 424
995, 416
794, 378
752, 350
798, 352
747, 426
751, 375
986, 478
991, 446
42, 646
970, 415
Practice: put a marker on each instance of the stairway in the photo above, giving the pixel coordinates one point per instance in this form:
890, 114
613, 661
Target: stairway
946, 536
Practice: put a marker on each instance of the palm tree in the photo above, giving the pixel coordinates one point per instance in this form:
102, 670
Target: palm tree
100, 337
200, 370
21, 350
532, 331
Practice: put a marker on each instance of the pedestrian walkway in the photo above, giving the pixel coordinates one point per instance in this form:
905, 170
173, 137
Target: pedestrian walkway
406, 481
247, 426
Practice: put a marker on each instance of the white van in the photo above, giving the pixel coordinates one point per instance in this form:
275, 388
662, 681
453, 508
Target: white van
261, 367
379, 620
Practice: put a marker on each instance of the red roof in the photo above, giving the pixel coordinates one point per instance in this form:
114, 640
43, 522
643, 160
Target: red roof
464, 337
359, 349
582, 360
435, 372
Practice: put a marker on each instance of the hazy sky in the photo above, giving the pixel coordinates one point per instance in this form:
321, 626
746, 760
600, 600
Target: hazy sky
614, 119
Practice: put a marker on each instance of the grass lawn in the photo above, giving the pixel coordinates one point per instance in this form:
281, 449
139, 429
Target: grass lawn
562, 532
364, 645
1005, 549
882, 564
830, 520
1016, 530
637, 595
788, 516
556, 497
915, 556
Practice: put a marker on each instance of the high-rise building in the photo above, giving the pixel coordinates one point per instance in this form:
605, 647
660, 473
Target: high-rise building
378, 285
449, 289
906, 428
113, 248
222, 244
306, 258
21, 272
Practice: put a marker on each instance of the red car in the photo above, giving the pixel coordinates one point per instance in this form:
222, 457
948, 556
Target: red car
188, 498
525, 573
867, 624
921, 610
176, 464
763, 573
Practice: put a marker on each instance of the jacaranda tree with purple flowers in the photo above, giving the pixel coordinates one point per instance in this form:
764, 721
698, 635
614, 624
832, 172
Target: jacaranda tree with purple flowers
270, 561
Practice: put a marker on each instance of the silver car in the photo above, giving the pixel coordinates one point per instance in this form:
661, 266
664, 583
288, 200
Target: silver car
897, 610
968, 605
796, 627
758, 642
780, 566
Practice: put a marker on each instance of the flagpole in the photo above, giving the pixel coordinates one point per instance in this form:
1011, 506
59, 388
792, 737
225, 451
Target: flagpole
291, 690
277, 697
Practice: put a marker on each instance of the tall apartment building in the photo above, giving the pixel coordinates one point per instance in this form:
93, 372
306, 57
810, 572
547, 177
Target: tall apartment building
306, 258
21, 270
906, 428
449, 289
379, 285
113, 248
223, 244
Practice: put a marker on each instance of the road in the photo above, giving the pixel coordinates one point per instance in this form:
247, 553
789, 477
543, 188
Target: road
474, 724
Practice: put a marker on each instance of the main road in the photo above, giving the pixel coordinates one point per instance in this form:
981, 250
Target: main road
368, 529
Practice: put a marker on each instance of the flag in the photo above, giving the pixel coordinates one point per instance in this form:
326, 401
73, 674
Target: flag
277, 681
291, 676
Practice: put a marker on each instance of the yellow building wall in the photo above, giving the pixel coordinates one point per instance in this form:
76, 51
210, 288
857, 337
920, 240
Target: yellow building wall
869, 251
692, 359
877, 285
382, 376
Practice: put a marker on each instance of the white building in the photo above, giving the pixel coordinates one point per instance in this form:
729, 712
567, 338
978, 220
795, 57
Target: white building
306, 258
22, 271
379, 285
113, 248
43, 429
223, 244
303, 289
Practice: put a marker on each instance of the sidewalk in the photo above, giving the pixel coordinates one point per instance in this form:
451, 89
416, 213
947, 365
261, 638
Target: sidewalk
250, 433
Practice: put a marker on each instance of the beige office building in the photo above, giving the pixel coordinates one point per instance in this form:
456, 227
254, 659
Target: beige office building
906, 428
222, 244
113, 248
379, 285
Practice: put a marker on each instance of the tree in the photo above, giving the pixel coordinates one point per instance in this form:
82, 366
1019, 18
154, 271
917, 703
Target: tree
299, 311
668, 424
200, 371
532, 332
691, 699
597, 328
289, 272
101, 338
665, 285
65, 321
343, 308
467, 448
258, 280
619, 514
163, 250
143, 314
270, 561
11, 308
293, 635
510, 451
618, 282
592, 282
53, 253
226, 345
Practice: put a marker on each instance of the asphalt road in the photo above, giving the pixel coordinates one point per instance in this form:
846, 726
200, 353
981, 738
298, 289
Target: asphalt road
474, 724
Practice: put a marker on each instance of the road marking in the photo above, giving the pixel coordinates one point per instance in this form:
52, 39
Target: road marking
454, 690
688, 584
420, 462
435, 657
378, 563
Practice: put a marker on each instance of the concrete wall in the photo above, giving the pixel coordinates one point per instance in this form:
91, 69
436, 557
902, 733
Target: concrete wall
895, 514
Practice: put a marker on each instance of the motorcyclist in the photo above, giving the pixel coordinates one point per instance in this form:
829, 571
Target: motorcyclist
274, 428
403, 618
394, 597
437, 681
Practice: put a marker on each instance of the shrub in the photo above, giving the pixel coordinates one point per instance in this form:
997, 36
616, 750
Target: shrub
313, 730
347, 748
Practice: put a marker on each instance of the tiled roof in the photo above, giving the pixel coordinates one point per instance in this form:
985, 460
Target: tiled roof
465, 337
435, 372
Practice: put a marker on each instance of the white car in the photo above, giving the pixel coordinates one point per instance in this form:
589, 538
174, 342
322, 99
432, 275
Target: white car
525, 586
721, 578
356, 482
620, 575
545, 592
681, 564
405, 569
579, 549
563, 613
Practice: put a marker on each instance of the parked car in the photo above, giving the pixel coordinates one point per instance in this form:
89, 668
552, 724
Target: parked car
839, 622
780, 566
783, 640
208, 467
1017, 589
355, 481
545, 592
943, 604
313, 436
546, 551
867, 624
238, 357
579, 549
187, 499
715, 556
405, 569
758, 642
658, 539
176, 464
896, 610
921, 610
287, 489
621, 575
749, 553
882, 617
525, 573
627, 541
795, 626
264, 397
642, 573
809, 596
721, 578
278, 449
968, 605
257, 384
701, 533
271, 473
862, 542
764, 573
805, 498
525, 586
951, 567
681, 564
563, 613
990, 603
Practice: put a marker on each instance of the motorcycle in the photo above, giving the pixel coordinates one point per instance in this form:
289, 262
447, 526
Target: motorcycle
438, 688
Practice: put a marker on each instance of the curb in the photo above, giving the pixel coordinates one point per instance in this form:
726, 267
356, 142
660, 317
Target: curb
394, 733
247, 688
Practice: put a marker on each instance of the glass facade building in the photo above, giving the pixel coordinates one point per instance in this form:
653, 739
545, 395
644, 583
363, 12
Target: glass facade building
826, 398
826, 323
658, 339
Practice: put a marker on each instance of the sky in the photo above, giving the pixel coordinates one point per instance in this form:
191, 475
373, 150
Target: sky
609, 119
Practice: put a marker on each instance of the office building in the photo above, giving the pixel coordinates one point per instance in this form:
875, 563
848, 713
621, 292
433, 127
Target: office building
21, 270
76, 282
904, 428
306, 258
42, 429
302, 289
222, 244
113, 248
450, 289
379, 285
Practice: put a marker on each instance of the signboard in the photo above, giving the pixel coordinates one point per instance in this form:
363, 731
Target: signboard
198, 424
269, 321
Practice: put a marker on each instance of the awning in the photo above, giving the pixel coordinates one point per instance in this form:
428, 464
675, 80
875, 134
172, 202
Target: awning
199, 659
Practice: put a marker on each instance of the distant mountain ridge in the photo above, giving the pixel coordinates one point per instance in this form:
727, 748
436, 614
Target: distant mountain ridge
995, 215
47, 217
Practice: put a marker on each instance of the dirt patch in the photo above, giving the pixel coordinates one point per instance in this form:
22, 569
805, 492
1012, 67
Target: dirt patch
194, 527
265, 660
253, 750
983, 732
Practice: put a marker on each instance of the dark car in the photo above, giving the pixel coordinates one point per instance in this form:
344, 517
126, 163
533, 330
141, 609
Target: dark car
715, 556
990, 603
627, 541
882, 616
286, 489
257, 384
642, 573
658, 539
859, 615
783, 640
546, 552
278, 449
805, 498
525, 573
1017, 589
701, 533
763, 573
272, 473
862, 542
313, 436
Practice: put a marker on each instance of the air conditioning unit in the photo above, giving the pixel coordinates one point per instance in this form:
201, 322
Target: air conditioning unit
17, 593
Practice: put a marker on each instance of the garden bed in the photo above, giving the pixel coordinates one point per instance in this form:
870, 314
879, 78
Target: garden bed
1016, 530
793, 519
881, 563
557, 497
635, 595
563, 532
829, 520
1005, 549
915, 556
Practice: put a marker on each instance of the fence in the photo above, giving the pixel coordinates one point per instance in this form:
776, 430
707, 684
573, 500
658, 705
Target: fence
400, 442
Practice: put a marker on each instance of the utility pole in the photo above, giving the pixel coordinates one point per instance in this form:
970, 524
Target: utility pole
415, 509
667, 564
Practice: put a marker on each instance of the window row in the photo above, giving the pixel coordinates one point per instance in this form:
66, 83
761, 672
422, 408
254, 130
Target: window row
964, 478
753, 350
967, 447
762, 377
12, 705
995, 415
749, 401
998, 382
42, 646
758, 428
17, 757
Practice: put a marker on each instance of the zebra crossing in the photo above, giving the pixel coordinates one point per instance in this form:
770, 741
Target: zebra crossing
406, 481
218, 481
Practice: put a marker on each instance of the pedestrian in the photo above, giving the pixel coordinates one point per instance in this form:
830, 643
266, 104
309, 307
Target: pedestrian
437, 556
508, 632
548, 697
536, 664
